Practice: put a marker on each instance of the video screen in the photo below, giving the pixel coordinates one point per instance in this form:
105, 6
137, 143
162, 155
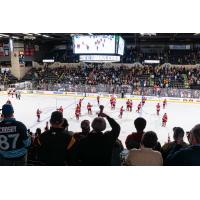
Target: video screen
94, 44
121, 46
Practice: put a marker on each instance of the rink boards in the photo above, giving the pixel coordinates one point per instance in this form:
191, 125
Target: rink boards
106, 96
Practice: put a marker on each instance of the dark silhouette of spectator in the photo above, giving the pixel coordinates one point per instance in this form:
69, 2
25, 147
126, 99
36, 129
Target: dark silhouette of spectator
96, 148
85, 126
189, 156
133, 140
178, 139
117, 149
56, 142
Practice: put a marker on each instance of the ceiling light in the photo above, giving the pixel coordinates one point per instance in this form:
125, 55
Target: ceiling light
28, 34
4, 35
15, 37
47, 36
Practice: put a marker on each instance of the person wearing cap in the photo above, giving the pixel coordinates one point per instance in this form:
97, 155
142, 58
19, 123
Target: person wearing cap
189, 156
178, 139
14, 139
56, 142
96, 148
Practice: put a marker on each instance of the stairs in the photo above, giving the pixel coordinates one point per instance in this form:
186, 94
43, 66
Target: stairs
151, 81
186, 84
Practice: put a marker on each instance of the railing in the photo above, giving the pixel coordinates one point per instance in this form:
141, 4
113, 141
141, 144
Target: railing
112, 89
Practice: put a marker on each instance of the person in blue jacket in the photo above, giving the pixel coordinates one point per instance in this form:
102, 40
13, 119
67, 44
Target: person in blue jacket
14, 139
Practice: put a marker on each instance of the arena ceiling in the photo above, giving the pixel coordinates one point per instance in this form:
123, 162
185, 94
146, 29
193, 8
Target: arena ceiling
130, 38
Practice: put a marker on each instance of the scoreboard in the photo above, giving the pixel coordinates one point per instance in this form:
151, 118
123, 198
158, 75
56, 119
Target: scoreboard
98, 44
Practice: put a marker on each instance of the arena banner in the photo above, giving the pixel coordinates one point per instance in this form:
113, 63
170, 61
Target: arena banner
71, 93
174, 99
104, 94
57, 92
188, 100
39, 92
3, 92
127, 96
81, 94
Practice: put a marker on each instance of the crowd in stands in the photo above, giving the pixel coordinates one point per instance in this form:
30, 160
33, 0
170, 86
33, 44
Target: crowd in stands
93, 146
180, 57
6, 77
134, 54
138, 76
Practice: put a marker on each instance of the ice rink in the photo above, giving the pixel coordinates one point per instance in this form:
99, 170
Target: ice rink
179, 114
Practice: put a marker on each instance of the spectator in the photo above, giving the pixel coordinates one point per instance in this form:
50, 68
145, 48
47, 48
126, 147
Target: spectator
56, 142
178, 139
116, 153
14, 139
145, 156
187, 156
85, 126
36, 144
96, 148
133, 140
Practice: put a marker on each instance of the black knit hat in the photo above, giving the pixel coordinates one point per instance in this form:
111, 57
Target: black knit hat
56, 117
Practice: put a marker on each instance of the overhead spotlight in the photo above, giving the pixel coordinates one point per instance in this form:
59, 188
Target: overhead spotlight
15, 37
28, 34
148, 34
47, 36
4, 35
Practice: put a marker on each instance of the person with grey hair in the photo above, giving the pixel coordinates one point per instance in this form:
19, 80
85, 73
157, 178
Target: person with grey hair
178, 139
145, 155
96, 148
188, 156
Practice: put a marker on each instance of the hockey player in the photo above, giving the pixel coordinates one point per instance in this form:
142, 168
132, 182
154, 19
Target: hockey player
89, 108
60, 109
113, 103
9, 92
19, 95
98, 100
164, 103
8, 102
158, 108
139, 107
143, 100
38, 114
77, 112
121, 112
131, 105
13, 92
128, 105
164, 120
80, 102
46, 127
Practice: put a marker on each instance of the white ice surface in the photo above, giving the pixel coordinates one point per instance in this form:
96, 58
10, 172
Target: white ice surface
183, 115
